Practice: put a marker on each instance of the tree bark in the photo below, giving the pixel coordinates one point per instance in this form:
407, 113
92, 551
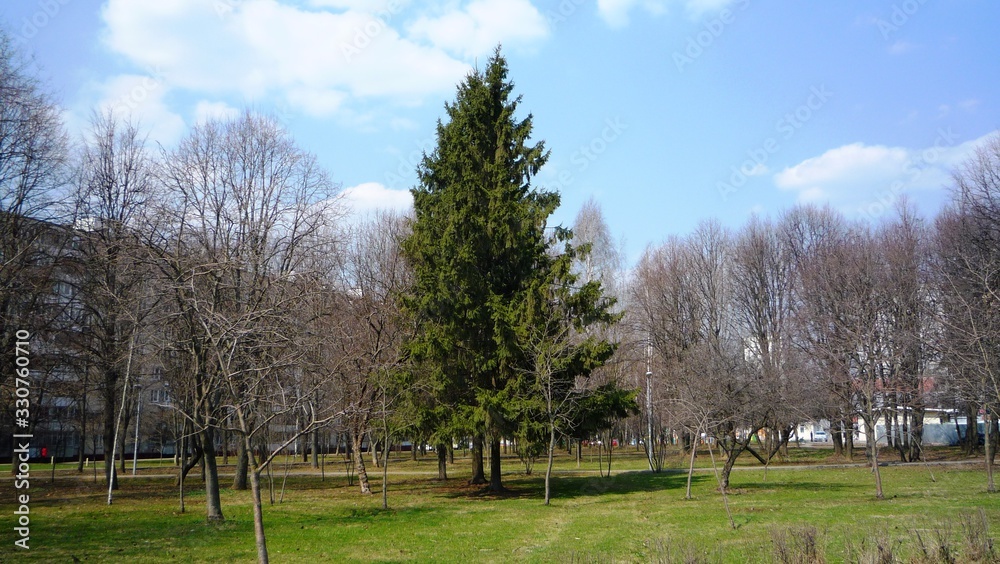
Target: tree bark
83, 425
110, 401
496, 484
314, 439
849, 443
989, 446
213, 502
374, 446
258, 518
971, 429
442, 456
838, 436
478, 474
240, 478
917, 431
359, 462
873, 455
727, 468
548, 467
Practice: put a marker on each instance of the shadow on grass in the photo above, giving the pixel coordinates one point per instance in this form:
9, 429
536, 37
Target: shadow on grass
570, 487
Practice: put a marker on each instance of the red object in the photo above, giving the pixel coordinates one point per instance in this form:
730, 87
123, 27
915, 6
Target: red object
45, 452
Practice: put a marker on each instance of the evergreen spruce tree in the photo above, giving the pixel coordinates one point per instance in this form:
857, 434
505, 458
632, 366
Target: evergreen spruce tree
477, 247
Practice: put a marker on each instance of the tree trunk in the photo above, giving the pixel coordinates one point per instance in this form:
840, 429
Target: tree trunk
727, 468
478, 474
873, 455
110, 402
180, 470
849, 443
496, 485
240, 478
442, 456
385, 469
451, 452
314, 439
917, 432
838, 436
548, 467
375, 448
971, 430
213, 503
989, 446
258, 518
359, 462
83, 428
186, 467
694, 450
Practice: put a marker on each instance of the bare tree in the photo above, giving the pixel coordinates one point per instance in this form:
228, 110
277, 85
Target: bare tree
114, 181
370, 282
666, 315
845, 318
32, 248
763, 288
905, 252
243, 217
810, 232
968, 255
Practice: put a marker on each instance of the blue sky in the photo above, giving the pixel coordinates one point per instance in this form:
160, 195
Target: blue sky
667, 112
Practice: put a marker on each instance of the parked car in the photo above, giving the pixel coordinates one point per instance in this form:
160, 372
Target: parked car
819, 436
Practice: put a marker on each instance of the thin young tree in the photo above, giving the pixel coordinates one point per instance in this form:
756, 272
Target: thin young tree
114, 182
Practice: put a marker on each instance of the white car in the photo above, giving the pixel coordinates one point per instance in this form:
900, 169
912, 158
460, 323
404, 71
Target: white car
819, 436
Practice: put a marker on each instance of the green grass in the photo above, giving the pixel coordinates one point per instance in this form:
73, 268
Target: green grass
634, 516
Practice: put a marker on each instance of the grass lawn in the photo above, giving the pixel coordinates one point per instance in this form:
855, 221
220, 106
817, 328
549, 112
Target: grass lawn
634, 516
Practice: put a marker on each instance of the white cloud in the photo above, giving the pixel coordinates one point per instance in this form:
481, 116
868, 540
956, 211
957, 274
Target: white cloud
205, 110
616, 12
371, 196
857, 177
849, 163
321, 57
481, 25
139, 98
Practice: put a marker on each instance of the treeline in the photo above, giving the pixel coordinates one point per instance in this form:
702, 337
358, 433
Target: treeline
811, 317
